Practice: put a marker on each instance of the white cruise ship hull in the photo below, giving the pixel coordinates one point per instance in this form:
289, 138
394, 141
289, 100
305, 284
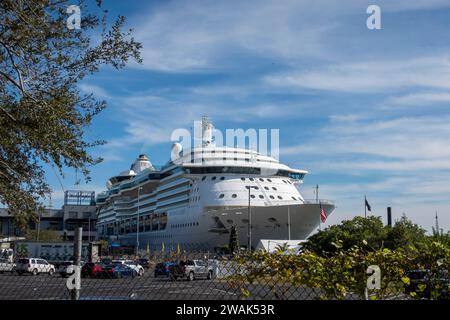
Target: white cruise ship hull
212, 232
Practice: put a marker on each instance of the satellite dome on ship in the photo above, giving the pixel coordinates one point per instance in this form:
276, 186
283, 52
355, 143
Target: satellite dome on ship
142, 163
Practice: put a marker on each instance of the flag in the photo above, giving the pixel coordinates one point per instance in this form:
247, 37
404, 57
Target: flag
367, 204
323, 214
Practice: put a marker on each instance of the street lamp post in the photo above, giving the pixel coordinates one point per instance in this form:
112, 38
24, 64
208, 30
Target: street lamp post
249, 234
289, 223
137, 222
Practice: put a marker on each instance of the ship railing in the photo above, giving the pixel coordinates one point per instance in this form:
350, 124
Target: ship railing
318, 201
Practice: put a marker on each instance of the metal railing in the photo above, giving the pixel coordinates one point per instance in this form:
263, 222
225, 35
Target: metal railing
319, 201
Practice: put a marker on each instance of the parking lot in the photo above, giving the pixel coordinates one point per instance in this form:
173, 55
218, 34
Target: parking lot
13, 286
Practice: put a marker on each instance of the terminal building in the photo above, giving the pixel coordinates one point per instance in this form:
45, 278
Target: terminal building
79, 210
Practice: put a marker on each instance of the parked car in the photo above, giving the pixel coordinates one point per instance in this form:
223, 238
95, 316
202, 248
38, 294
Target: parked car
143, 262
163, 269
137, 267
66, 268
119, 270
428, 282
191, 270
92, 270
7, 266
106, 261
34, 266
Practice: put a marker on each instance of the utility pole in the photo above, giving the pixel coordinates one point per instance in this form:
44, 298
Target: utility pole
437, 223
289, 223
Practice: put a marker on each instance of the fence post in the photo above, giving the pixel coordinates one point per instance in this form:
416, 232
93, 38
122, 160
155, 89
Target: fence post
78, 238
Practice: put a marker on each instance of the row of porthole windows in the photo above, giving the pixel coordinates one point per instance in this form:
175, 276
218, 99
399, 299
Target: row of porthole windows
268, 180
265, 188
234, 195
213, 178
185, 225
251, 179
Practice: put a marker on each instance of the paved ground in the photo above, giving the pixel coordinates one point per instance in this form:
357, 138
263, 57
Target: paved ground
13, 286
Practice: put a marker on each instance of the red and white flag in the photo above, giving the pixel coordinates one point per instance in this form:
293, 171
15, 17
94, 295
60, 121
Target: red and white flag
323, 214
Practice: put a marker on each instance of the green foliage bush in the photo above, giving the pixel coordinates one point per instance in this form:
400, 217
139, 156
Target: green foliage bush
371, 230
336, 268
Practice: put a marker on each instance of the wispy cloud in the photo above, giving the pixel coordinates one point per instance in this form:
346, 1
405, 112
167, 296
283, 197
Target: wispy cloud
96, 90
415, 140
420, 99
370, 76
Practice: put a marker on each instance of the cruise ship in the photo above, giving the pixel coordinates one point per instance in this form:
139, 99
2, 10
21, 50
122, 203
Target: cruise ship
193, 202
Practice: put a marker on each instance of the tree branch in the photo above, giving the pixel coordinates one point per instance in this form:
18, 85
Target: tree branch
8, 114
11, 57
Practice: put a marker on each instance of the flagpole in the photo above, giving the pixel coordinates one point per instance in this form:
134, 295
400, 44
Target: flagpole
365, 206
320, 218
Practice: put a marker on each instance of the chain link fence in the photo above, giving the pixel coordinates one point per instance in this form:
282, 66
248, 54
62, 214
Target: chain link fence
205, 276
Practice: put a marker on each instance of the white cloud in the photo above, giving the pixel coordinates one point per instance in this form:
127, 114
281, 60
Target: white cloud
370, 76
97, 91
180, 36
420, 99
416, 142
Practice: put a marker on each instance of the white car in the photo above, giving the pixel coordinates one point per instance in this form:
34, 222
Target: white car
133, 265
7, 266
34, 266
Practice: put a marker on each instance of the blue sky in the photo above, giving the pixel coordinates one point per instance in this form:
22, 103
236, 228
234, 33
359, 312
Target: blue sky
364, 111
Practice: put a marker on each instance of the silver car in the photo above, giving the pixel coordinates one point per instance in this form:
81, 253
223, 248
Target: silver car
191, 270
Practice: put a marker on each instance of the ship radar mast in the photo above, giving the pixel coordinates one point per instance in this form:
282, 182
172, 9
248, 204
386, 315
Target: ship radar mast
207, 130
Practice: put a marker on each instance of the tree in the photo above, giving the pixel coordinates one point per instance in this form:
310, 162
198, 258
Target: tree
405, 233
43, 114
356, 232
